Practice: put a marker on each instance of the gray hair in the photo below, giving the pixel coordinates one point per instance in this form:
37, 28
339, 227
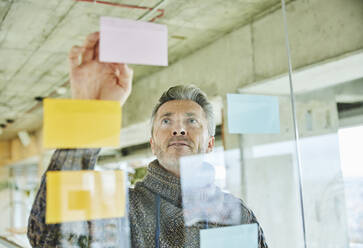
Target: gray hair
181, 92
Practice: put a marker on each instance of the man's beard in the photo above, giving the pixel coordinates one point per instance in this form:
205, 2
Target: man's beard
171, 162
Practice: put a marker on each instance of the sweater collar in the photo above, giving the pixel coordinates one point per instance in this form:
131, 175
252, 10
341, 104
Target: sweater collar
162, 182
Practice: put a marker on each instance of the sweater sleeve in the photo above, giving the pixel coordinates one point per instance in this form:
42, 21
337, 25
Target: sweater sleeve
41, 234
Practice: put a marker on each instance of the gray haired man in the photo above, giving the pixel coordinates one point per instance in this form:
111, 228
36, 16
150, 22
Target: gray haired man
182, 124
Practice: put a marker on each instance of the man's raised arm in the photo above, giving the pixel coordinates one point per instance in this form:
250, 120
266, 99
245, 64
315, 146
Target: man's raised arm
90, 79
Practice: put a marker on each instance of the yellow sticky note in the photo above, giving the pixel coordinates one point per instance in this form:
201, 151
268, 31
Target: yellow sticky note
84, 195
81, 123
79, 199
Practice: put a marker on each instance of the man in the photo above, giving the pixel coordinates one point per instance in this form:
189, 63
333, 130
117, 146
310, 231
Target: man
183, 125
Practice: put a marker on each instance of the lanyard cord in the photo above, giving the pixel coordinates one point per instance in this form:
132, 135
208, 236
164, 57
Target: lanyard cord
157, 234
206, 225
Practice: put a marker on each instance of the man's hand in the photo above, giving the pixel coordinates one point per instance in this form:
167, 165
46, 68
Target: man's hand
91, 79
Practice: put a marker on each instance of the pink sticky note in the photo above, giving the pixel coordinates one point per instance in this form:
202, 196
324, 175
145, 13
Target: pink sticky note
133, 42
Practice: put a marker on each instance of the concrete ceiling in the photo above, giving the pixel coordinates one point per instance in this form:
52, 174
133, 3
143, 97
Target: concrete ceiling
36, 35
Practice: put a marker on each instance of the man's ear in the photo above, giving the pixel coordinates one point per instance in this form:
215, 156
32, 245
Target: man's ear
210, 144
152, 145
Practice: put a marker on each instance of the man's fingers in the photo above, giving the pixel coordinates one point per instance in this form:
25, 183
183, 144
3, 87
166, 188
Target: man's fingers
89, 45
91, 40
123, 74
74, 56
87, 55
124, 69
96, 55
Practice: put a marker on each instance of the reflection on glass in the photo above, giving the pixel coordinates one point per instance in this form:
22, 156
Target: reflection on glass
324, 197
351, 143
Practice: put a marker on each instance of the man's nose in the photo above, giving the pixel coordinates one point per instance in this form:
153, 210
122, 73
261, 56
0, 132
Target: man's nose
179, 131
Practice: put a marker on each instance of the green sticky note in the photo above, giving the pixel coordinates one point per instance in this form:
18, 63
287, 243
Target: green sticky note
253, 114
232, 237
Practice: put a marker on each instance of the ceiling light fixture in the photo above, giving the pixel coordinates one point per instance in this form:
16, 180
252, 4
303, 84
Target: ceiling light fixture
24, 138
61, 91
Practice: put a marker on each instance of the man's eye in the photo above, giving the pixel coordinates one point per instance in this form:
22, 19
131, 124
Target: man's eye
165, 121
193, 121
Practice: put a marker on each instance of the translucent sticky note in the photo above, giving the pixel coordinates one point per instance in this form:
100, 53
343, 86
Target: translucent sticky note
84, 195
133, 42
232, 237
81, 123
205, 195
253, 114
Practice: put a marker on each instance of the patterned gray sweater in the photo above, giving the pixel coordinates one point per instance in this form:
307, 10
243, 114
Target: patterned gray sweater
143, 215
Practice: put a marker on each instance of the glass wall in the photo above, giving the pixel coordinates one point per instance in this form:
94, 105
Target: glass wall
269, 161
327, 93
328, 86
284, 166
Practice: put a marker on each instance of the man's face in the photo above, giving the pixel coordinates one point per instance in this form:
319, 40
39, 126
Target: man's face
180, 128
